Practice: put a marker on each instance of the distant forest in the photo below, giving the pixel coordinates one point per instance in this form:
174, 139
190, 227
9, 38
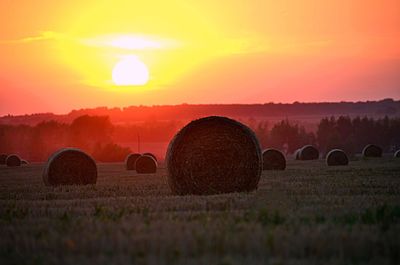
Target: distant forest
273, 112
104, 140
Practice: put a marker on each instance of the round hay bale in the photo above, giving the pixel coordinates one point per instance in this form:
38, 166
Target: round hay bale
213, 155
13, 161
397, 154
24, 162
337, 157
3, 158
146, 165
308, 152
131, 160
150, 154
372, 150
296, 154
70, 166
273, 160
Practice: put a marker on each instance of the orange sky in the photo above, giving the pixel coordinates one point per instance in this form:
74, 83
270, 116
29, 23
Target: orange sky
60, 55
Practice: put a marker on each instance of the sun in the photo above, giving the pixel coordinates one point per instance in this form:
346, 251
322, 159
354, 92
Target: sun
130, 71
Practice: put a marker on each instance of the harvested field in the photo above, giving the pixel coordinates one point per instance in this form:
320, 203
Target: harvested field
307, 214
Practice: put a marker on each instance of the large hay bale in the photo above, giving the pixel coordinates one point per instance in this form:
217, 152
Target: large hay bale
146, 165
397, 154
213, 155
131, 160
150, 154
13, 161
24, 162
70, 166
3, 158
273, 160
337, 157
308, 152
372, 150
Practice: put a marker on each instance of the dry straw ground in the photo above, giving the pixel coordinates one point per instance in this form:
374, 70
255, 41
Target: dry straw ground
307, 214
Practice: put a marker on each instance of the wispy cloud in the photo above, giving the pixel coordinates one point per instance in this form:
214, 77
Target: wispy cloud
129, 41
42, 36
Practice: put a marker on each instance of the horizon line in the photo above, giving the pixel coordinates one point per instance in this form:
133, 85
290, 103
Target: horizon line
198, 104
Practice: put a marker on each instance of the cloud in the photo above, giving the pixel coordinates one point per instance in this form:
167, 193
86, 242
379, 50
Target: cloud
129, 41
42, 36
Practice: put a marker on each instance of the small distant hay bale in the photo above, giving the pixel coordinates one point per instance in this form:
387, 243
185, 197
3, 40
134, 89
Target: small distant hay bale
150, 154
372, 150
296, 154
70, 166
3, 158
131, 160
308, 152
397, 154
146, 165
337, 157
13, 161
214, 155
273, 160
24, 162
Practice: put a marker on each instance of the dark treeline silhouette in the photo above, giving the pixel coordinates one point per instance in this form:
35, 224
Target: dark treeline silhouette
348, 134
188, 112
108, 142
89, 133
93, 134
351, 135
284, 135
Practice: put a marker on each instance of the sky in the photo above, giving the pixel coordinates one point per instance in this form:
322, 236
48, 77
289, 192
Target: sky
62, 55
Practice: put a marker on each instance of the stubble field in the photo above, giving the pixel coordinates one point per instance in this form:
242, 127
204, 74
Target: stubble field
307, 214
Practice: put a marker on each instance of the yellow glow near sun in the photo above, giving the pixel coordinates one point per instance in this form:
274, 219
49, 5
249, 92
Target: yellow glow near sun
108, 60
172, 39
130, 71
134, 43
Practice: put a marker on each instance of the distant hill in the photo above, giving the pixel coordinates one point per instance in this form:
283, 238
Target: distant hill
270, 111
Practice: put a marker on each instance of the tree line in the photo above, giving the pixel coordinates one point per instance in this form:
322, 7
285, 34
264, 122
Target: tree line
105, 141
343, 132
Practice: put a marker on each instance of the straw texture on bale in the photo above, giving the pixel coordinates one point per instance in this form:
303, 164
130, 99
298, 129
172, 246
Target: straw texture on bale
213, 155
3, 158
131, 160
372, 150
273, 160
397, 154
337, 157
24, 162
308, 152
146, 165
150, 154
70, 166
13, 161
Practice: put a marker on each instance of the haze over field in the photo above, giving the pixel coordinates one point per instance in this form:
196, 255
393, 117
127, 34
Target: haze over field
63, 55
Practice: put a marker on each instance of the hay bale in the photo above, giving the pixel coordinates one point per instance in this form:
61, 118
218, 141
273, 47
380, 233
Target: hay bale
296, 154
13, 161
131, 160
397, 154
213, 155
3, 158
372, 150
308, 152
146, 165
273, 160
70, 166
150, 154
337, 157
24, 162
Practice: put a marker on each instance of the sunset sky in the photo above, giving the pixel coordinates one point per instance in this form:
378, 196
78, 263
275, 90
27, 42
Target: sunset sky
61, 55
